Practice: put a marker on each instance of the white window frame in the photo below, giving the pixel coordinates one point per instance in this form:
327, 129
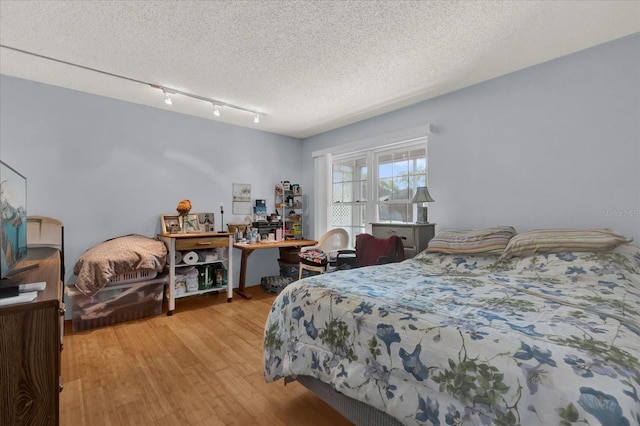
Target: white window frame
356, 203
375, 201
323, 160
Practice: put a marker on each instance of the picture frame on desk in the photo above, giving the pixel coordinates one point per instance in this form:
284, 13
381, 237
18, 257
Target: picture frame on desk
260, 213
170, 223
207, 222
191, 223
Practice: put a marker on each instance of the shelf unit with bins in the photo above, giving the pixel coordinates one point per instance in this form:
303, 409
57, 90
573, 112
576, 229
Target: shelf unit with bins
288, 201
200, 243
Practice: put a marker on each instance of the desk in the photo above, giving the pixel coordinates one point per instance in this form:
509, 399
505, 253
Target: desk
202, 243
247, 249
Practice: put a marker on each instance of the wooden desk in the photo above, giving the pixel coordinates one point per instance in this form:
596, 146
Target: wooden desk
247, 249
198, 242
30, 346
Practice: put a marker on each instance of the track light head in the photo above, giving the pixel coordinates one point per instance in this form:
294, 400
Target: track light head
217, 104
167, 98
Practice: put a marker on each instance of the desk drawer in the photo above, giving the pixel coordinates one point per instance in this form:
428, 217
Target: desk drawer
386, 231
201, 243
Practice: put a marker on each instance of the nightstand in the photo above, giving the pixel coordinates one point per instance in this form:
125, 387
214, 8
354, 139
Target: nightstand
415, 236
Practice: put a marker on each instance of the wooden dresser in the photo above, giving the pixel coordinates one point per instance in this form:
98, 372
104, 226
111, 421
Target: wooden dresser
30, 345
415, 236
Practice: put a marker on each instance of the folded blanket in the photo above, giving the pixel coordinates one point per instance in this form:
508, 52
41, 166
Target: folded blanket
101, 263
369, 249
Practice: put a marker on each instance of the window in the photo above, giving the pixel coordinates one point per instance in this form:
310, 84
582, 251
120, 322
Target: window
349, 194
376, 186
399, 174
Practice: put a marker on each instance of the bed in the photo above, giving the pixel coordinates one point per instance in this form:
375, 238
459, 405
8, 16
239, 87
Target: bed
516, 332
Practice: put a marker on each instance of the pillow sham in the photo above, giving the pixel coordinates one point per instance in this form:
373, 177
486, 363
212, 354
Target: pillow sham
465, 241
563, 240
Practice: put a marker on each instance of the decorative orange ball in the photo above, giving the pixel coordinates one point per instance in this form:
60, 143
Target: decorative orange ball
184, 207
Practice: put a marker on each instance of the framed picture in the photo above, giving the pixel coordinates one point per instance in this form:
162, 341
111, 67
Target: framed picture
242, 192
241, 198
207, 222
170, 223
191, 223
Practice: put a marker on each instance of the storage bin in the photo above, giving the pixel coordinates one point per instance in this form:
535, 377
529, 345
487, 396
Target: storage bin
135, 276
274, 284
290, 254
116, 303
289, 270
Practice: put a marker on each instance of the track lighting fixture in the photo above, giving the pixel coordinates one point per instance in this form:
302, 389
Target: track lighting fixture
167, 91
217, 105
167, 98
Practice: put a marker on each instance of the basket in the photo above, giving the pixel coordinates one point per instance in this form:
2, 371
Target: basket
237, 226
289, 270
290, 254
134, 276
274, 284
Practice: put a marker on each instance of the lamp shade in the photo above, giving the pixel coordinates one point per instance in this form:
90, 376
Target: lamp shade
422, 195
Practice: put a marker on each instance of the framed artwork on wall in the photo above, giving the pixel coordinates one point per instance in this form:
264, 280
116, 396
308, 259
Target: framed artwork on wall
242, 198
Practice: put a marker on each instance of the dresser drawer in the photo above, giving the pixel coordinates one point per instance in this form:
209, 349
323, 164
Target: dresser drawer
386, 231
201, 243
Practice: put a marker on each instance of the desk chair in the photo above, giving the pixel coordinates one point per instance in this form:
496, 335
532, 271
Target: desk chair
372, 251
329, 244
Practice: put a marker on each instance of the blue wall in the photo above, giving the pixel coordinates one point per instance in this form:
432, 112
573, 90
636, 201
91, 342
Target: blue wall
107, 168
555, 145
551, 146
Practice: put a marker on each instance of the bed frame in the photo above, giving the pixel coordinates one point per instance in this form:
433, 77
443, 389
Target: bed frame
356, 411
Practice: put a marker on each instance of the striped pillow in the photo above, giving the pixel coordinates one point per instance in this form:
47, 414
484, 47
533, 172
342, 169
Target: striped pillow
466, 241
563, 240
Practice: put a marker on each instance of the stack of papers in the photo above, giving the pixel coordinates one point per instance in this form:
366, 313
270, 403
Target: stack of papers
25, 288
21, 298
28, 293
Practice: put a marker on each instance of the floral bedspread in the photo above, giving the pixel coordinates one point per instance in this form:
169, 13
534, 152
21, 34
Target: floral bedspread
548, 339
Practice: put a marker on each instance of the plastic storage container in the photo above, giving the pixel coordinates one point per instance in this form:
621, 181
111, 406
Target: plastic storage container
116, 303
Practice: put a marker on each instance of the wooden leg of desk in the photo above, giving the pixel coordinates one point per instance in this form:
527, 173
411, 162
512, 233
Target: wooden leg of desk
243, 275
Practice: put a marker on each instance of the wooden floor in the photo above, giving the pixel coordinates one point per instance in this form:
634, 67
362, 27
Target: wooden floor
200, 366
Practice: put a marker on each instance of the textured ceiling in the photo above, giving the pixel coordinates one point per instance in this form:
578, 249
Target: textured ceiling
308, 66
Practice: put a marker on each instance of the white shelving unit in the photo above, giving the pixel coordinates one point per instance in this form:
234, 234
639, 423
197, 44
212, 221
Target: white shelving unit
288, 201
219, 243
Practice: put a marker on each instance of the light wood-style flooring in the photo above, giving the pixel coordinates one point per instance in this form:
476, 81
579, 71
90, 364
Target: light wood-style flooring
200, 366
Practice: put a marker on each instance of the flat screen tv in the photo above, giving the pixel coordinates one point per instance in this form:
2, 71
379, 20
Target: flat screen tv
13, 219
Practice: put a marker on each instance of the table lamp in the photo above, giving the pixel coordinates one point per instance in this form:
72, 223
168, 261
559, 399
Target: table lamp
421, 197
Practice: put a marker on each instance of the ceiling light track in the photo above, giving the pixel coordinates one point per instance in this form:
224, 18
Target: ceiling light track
167, 91
217, 105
